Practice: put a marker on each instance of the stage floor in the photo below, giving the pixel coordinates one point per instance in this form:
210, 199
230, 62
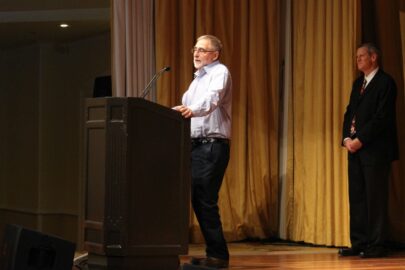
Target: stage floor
262, 256
265, 256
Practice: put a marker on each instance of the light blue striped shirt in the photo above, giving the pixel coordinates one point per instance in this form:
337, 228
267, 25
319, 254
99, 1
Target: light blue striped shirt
209, 96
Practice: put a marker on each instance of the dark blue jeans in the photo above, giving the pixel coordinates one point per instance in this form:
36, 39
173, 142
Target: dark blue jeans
209, 161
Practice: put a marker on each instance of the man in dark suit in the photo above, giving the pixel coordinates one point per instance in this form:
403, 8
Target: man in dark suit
370, 137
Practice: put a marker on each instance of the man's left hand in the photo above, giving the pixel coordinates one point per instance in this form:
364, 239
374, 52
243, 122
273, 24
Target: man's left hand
186, 112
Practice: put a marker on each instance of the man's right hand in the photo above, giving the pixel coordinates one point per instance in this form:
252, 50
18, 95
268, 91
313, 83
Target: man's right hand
352, 145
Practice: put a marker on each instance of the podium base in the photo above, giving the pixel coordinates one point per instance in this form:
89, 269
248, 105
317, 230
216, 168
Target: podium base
187, 266
99, 262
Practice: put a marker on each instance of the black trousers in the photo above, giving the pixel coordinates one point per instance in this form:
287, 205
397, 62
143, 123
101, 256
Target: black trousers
368, 198
209, 161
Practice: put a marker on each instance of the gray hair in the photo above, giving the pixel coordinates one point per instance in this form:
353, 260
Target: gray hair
372, 48
215, 42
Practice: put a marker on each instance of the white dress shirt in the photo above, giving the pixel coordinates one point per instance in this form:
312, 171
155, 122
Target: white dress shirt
209, 96
370, 76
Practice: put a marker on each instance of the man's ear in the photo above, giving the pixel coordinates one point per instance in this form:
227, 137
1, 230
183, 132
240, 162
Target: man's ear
216, 56
374, 57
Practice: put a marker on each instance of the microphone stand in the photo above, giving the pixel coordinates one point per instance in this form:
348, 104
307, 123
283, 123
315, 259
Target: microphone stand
146, 91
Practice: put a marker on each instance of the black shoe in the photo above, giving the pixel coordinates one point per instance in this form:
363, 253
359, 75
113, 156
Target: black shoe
349, 252
196, 261
210, 262
374, 252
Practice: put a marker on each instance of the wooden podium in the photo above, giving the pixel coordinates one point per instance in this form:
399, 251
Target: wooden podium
137, 176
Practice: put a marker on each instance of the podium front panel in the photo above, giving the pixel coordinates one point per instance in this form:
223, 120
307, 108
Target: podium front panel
138, 178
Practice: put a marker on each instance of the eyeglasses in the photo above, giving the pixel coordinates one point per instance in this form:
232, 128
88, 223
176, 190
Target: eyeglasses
201, 50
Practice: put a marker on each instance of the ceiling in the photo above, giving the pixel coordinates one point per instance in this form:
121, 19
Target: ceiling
25, 22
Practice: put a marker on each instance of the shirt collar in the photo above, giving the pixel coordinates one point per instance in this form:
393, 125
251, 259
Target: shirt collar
205, 69
370, 76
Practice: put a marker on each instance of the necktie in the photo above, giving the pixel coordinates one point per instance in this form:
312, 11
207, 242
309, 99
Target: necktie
363, 87
353, 125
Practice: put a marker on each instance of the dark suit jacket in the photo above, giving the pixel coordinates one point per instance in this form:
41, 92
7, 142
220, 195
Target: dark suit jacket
375, 119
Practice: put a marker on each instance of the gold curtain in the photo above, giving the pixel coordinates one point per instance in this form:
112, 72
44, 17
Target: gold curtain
324, 36
324, 39
250, 35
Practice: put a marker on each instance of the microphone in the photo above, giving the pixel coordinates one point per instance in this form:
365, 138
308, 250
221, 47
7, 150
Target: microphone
146, 91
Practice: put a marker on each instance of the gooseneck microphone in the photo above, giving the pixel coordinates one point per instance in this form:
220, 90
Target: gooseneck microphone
146, 91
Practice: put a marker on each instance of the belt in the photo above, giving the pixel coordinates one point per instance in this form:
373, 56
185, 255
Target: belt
209, 140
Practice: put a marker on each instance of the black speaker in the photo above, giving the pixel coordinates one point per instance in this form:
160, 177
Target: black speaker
25, 249
102, 87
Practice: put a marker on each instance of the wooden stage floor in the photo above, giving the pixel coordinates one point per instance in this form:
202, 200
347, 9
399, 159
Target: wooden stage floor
256, 256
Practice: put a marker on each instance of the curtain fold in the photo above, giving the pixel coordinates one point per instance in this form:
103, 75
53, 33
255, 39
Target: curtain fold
133, 51
325, 35
249, 31
388, 17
